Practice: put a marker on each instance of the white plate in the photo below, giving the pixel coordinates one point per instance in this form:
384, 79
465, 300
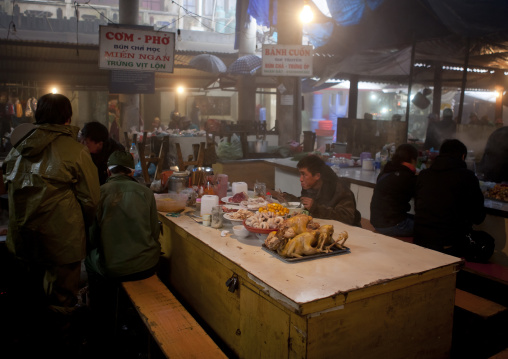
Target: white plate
228, 217
231, 206
226, 200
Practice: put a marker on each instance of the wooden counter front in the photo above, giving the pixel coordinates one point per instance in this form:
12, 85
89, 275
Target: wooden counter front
386, 298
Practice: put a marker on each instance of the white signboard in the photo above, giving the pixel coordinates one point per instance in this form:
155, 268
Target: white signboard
287, 60
125, 48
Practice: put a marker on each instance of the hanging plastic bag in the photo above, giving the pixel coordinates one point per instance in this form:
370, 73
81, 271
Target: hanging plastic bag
230, 150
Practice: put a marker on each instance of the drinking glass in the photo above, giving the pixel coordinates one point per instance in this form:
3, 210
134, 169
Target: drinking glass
259, 189
216, 221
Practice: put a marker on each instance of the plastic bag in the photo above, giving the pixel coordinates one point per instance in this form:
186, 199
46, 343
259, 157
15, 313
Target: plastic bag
230, 150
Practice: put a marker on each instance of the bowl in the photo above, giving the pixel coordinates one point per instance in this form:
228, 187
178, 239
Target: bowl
170, 202
258, 230
240, 231
292, 205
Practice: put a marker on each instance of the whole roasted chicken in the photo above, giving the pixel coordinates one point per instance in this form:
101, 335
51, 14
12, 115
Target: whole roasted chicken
299, 236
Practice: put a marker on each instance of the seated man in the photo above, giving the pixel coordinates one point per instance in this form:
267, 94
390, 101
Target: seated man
124, 238
95, 136
395, 187
324, 194
448, 202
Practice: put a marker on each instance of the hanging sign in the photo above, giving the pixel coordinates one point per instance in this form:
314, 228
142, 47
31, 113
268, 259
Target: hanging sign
127, 48
287, 60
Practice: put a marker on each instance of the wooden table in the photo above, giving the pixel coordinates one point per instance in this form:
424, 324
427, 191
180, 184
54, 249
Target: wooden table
384, 299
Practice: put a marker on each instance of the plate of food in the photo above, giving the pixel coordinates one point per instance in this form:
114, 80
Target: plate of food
498, 193
228, 208
253, 203
238, 216
236, 199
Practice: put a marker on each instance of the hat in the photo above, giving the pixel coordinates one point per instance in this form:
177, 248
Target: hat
121, 158
447, 112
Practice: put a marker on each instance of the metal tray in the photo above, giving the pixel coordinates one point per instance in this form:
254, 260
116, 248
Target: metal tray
306, 258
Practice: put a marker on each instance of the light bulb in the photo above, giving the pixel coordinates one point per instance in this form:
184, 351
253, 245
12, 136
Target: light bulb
306, 15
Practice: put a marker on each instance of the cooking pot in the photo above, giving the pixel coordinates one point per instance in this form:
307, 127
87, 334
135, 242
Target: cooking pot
178, 181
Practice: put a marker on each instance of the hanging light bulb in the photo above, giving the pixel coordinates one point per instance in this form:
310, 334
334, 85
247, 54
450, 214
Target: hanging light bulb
306, 15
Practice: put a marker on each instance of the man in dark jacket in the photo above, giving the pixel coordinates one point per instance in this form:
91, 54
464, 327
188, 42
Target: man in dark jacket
124, 240
446, 128
494, 163
96, 137
324, 194
53, 192
448, 201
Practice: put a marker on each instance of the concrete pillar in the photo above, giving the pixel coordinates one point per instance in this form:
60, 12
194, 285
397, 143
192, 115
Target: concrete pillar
289, 32
130, 115
246, 85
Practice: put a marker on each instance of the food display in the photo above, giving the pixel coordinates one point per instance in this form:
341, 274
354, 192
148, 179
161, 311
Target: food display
300, 236
498, 192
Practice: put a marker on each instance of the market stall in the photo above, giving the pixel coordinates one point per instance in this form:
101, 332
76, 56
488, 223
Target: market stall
362, 184
383, 298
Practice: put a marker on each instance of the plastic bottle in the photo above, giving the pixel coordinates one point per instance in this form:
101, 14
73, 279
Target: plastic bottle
134, 152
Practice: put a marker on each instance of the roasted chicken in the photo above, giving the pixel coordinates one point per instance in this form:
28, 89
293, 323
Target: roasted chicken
299, 236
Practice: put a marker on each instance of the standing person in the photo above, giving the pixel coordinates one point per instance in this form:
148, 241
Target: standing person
195, 115
95, 136
395, 187
324, 194
448, 201
124, 238
431, 137
53, 191
447, 127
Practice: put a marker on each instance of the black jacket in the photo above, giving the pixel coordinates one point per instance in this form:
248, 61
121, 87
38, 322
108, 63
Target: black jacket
494, 163
394, 189
101, 159
448, 202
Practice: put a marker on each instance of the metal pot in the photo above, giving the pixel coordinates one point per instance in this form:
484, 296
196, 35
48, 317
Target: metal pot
178, 181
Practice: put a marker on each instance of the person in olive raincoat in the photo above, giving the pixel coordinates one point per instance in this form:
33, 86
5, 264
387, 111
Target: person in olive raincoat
53, 191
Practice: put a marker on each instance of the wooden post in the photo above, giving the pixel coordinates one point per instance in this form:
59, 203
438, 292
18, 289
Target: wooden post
464, 81
353, 97
438, 83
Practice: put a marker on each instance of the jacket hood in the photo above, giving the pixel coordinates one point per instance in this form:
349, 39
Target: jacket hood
42, 136
446, 163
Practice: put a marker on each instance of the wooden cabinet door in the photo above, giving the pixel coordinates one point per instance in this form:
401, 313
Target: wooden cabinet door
264, 327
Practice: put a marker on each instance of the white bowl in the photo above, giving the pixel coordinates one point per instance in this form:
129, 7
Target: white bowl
293, 205
240, 231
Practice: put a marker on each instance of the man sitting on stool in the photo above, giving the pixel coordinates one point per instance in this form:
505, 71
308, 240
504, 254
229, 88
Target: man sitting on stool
124, 238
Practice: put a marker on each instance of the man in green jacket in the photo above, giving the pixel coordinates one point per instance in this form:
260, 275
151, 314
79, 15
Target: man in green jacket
53, 190
124, 238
